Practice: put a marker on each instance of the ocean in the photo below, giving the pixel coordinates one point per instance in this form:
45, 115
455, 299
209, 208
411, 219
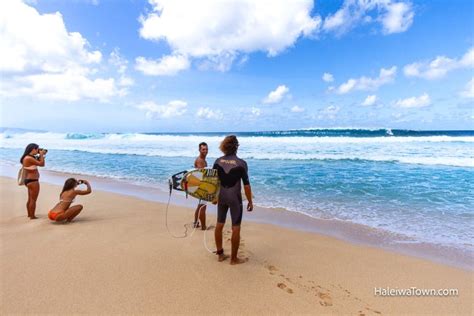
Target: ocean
415, 184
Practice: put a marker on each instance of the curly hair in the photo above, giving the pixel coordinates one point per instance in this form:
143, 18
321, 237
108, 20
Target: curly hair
229, 145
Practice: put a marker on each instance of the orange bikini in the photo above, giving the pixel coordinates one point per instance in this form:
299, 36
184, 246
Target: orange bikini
52, 215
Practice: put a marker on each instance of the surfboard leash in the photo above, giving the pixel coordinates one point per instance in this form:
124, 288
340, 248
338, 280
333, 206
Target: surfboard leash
170, 182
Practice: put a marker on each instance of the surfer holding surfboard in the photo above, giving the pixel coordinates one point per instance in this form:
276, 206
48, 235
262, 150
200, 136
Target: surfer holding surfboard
201, 163
231, 171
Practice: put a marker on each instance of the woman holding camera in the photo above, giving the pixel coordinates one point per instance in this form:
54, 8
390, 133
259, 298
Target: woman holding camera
63, 210
32, 158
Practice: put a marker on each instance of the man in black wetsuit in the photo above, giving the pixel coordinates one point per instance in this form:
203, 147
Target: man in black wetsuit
231, 170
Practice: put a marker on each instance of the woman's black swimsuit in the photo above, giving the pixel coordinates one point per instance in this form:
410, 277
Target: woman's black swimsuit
231, 170
27, 181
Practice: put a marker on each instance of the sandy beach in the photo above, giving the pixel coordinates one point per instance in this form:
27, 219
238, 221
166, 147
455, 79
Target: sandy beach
118, 257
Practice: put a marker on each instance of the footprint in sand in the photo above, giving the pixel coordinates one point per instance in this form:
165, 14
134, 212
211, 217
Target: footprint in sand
284, 287
272, 269
323, 294
325, 299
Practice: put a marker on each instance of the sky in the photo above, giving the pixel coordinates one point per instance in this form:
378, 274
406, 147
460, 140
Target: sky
236, 65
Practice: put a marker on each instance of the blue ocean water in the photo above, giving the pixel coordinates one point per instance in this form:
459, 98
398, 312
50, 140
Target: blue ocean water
419, 184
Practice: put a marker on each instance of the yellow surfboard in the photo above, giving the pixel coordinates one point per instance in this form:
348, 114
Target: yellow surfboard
202, 184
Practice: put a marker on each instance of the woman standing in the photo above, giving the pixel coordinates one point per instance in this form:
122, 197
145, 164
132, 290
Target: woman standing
30, 162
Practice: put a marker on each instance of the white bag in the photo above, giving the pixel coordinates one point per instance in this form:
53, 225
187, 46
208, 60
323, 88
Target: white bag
21, 176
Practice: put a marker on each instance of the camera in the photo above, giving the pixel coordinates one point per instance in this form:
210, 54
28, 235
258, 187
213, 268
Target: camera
45, 150
80, 182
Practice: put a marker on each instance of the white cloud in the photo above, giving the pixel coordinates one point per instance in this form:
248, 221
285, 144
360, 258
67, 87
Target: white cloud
172, 109
121, 65
255, 111
394, 16
125, 81
207, 113
400, 117
220, 63
398, 18
364, 83
414, 102
440, 66
68, 86
215, 30
118, 61
329, 112
327, 77
276, 95
40, 58
337, 20
468, 92
250, 113
297, 109
370, 100
165, 66
32, 42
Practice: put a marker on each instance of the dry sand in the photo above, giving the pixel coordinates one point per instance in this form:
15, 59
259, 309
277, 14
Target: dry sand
118, 257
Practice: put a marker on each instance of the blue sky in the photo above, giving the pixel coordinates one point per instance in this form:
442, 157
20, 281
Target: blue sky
162, 65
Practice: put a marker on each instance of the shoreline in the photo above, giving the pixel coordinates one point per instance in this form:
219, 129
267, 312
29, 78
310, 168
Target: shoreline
342, 230
118, 258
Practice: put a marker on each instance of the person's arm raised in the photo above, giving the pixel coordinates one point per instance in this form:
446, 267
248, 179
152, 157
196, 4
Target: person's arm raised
84, 192
33, 162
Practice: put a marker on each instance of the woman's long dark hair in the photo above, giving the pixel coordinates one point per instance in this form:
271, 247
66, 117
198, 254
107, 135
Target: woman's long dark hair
28, 149
68, 185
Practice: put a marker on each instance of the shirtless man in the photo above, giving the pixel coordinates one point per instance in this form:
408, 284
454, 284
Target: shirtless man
200, 162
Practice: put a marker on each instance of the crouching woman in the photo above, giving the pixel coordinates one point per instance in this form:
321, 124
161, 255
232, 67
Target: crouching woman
63, 211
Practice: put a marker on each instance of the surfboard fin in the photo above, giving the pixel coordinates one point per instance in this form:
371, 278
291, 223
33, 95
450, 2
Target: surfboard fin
176, 180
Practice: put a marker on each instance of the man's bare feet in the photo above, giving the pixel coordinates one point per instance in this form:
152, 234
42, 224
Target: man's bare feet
222, 257
33, 217
238, 261
204, 227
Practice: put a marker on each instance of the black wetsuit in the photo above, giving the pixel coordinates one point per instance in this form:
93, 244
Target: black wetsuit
231, 171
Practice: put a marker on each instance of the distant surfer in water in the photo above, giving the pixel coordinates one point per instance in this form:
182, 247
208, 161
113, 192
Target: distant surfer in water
200, 163
231, 171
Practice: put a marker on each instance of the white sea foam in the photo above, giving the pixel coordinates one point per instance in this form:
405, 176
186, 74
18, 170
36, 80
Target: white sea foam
254, 139
426, 150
